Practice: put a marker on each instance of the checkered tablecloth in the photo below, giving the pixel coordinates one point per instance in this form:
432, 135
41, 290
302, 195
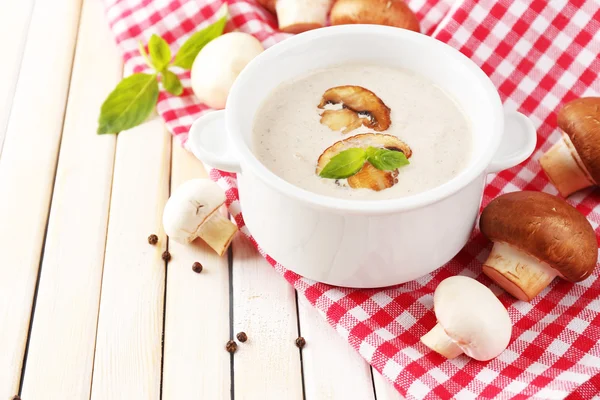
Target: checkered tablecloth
539, 54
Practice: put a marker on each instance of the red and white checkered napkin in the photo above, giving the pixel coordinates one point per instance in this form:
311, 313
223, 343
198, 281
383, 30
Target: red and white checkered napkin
539, 54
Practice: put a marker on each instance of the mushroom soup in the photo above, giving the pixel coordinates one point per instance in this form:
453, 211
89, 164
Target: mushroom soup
362, 132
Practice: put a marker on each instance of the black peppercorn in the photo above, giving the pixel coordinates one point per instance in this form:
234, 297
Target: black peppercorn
166, 256
242, 337
231, 346
197, 267
153, 239
300, 342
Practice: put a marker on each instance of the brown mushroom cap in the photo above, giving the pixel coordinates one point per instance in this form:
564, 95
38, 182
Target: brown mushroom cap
580, 119
359, 100
380, 12
268, 4
546, 227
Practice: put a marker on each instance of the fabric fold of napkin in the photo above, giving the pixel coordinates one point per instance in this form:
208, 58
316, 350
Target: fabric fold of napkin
539, 54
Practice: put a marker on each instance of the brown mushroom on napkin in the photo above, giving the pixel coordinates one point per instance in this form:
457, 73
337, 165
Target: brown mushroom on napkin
537, 237
573, 163
380, 12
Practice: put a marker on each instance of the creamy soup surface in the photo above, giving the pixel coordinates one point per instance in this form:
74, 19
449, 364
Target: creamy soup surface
288, 137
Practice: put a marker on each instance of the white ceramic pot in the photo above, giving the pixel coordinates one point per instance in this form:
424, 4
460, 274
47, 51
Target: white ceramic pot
361, 243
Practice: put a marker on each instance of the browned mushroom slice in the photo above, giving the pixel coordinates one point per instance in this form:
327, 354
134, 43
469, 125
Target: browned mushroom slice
364, 104
344, 120
372, 178
368, 177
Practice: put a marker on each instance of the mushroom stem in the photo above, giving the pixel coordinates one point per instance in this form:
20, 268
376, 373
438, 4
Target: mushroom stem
564, 167
517, 272
217, 232
297, 16
437, 340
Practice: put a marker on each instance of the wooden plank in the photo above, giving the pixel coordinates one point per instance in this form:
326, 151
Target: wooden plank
130, 324
27, 168
384, 388
14, 24
267, 366
332, 368
64, 326
197, 311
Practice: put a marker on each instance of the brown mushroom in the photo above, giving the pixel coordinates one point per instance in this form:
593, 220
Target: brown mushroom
536, 237
380, 12
368, 177
359, 106
268, 4
573, 163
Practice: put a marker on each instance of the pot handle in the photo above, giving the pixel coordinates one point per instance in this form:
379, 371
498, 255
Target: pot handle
209, 142
518, 142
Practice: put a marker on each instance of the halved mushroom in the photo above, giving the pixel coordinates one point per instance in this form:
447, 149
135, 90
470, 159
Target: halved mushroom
192, 211
536, 237
380, 12
573, 163
368, 177
359, 105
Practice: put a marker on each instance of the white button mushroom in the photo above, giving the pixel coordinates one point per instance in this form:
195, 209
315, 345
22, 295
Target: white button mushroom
218, 65
192, 211
471, 320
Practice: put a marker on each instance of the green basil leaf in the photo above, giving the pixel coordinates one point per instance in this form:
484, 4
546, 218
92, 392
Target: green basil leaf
160, 54
189, 50
144, 54
386, 160
344, 164
129, 104
171, 82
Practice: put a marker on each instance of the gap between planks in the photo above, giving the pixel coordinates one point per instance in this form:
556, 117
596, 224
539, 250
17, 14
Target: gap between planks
197, 325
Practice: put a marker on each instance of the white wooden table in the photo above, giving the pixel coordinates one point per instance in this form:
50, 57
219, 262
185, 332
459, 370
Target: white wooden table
88, 309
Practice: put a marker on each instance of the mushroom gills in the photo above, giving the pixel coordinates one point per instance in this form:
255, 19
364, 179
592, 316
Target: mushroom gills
565, 168
438, 340
517, 272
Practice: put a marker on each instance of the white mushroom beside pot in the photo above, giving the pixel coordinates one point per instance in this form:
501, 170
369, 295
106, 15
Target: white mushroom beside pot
192, 211
218, 65
471, 320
